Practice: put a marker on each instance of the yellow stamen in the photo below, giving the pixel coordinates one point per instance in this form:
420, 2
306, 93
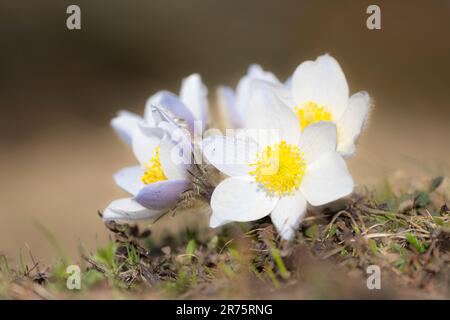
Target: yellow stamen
280, 169
311, 113
154, 172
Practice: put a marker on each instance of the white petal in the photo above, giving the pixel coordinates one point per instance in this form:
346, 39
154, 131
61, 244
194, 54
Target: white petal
128, 209
326, 179
317, 139
352, 122
323, 82
230, 154
243, 89
270, 117
194, 94
257, 72
226, 96
129, 179
236, 199
288, 213
227, 102
288, 83
144, 142
215, 221
171, 159
124, 124
243, 97
286, 96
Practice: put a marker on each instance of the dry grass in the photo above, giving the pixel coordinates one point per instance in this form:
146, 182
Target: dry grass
402, 227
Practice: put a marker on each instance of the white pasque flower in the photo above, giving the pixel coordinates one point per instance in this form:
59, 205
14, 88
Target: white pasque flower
235, 103
156, 184
280, 178
319, 92
191, 105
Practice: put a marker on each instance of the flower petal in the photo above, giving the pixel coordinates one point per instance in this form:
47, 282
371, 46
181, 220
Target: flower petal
129, 179
352, 122
194, 94
286, 96
236, 199
288, 213
145, 139
288, 83
227, 100
244, 87
326, 179
124, 124
173, 160
243, 97
317, 139
215, 221
257, 72
172, 104
322, 82
162, 194
268, 115
230, 154
128, 209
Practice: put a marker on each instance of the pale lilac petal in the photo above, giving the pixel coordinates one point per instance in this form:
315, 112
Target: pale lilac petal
128, 209
162, 194
124, 124
172, 104
130, 180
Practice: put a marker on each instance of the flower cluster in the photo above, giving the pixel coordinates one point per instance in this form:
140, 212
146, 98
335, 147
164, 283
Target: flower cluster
286, 149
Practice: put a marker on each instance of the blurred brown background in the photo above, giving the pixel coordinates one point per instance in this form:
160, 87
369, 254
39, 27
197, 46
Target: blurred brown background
60, 88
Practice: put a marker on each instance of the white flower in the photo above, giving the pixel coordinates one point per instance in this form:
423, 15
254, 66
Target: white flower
235, 104
191, 105
279, 178
320, 93
156, 184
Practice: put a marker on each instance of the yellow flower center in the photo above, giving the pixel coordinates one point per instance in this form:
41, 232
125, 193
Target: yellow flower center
312, 113
154, 172
280, 168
